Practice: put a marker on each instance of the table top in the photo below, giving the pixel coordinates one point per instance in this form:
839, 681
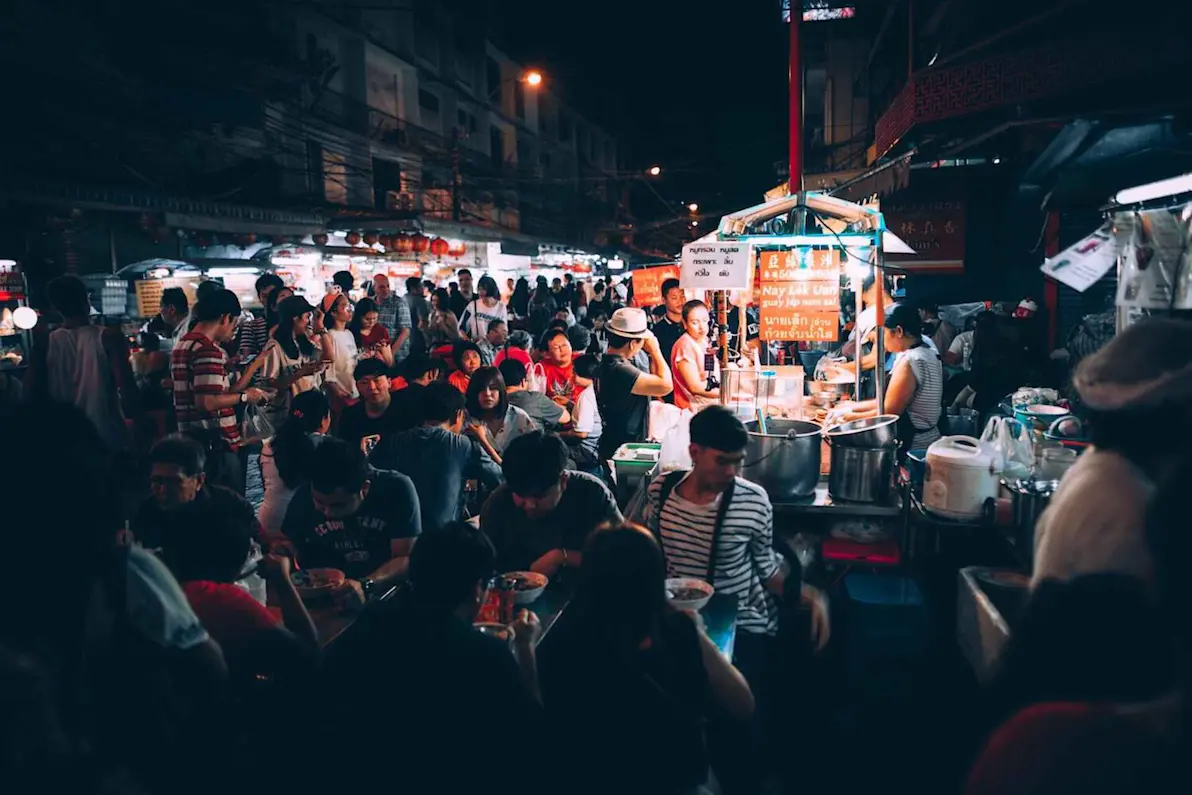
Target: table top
821, 502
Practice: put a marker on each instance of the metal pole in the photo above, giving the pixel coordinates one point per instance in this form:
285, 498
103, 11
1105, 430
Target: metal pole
796, 102
857, 290
722, 320
879, 365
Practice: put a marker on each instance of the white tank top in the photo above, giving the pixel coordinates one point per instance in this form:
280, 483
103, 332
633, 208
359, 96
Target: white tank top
78, 372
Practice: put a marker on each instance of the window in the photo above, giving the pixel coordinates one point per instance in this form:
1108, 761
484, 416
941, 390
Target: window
493, 74
427, 101
519, 99
466, 121
496, 145
386, 178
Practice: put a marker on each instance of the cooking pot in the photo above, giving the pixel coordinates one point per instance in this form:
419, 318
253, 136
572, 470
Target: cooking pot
785, 460
870, 433
861, 474
961, 475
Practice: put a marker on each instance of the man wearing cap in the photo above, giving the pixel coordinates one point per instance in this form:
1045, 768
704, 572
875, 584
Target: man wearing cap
1137, 396
623, 391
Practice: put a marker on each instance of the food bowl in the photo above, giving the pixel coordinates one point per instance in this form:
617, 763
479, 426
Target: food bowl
1040, 416
688, 593
527, 586
316, 583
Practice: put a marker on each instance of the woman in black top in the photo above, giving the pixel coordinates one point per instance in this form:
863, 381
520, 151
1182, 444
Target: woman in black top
625, 677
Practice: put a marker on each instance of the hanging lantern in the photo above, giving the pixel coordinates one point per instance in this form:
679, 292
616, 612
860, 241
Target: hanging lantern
439, 247
352, 238
420, 243
456, 249
403, 243
370, 238
319, 239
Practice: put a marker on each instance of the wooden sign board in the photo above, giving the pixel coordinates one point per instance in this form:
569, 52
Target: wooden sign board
647, 284
800, 295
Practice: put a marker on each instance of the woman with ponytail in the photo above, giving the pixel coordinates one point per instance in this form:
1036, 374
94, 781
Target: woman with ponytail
285, 457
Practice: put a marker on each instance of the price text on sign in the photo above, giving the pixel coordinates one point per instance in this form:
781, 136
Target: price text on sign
786, 266
647, 284
716, 266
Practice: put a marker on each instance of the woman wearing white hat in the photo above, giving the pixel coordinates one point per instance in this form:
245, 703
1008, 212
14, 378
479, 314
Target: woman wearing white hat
1138, 394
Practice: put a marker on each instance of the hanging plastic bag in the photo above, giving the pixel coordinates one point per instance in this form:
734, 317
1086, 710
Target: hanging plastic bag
676, 453
536, 378
255, 426
663, 417
1010, 442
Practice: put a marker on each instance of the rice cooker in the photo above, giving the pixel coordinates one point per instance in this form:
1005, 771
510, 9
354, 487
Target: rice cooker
961, 474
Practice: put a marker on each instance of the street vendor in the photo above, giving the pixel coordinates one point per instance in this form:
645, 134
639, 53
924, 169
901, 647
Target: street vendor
1137, 395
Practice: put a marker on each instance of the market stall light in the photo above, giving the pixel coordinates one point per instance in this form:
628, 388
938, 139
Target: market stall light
616, 264
1155, 190
233, 271
24, 318
807, 240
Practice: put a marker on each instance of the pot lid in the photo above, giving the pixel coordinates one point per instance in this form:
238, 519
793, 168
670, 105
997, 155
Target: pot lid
861, 426
962, 452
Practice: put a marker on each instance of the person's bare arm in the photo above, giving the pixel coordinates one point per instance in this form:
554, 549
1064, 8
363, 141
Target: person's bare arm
729, 689
395, 568
694, 380
246, 377
902, 388
208, 403
293, 612
402, 336
386, 354
656, 383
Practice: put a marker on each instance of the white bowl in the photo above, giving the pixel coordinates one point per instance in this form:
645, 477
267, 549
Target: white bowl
528, 595
676, 583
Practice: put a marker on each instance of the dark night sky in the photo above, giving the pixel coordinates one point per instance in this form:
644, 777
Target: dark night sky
703, 94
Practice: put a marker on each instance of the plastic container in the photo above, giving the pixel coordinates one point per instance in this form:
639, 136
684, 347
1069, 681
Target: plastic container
776, 391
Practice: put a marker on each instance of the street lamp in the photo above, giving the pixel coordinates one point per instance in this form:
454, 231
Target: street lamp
654, 171
532, 78
693, 207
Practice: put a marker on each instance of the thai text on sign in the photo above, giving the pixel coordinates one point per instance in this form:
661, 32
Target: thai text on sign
799, 295
716, 265
647, 284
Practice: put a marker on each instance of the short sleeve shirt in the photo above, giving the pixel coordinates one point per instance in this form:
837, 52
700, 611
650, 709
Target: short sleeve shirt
157, 607
688, 350
560, 381
542, 410
200, 367
228, 611
358, 544
623, 413
394, 314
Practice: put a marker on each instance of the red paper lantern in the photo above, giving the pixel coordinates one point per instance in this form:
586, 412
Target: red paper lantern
370, 238
439, 247
420, 243
457, 250
319, 239
352, 238
403, 243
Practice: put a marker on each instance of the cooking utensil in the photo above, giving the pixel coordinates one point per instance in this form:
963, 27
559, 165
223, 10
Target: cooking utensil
869, 433
783, 458
861, 474
1028, 499
961, 475
962, 422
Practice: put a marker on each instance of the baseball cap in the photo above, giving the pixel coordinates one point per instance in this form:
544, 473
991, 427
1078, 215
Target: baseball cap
629, 322
294, 306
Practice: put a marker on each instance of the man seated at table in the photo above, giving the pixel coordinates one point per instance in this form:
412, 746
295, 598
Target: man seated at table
541, 516
379, 413
544, 411
429, 674
438, 458
348, 517
208, 554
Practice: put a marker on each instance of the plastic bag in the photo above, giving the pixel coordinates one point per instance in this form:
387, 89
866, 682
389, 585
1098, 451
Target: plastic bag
676, 453
663, 417
536, 378
1010, 441
255, 426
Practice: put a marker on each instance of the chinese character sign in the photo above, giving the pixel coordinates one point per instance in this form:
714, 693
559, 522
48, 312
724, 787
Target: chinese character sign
799, 294
934, 229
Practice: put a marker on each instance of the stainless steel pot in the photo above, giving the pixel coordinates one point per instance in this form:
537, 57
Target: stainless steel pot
869, 433
861, 474
785, 460
1028, 499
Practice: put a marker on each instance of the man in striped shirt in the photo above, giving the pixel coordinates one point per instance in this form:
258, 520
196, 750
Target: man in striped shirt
204, 401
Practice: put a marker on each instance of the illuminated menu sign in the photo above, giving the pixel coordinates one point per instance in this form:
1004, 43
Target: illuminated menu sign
799, 295
819, 11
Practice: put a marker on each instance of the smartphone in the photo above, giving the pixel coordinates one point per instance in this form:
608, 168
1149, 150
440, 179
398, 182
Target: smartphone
369, 443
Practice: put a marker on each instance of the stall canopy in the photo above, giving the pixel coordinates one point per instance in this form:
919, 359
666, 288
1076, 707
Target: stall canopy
838, 215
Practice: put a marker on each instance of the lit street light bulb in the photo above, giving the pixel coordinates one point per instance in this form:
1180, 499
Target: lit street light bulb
695, 223
654, 171
24, 318
693, 207
533, 78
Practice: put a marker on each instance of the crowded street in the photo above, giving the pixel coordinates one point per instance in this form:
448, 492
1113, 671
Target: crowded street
403, 397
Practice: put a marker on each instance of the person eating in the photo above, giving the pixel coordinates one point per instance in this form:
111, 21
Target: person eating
541, 516
696, 371
363, 522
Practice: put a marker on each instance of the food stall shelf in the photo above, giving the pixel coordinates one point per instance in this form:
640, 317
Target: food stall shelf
822, 503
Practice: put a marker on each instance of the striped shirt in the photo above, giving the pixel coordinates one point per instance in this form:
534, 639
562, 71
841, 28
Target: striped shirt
927, 402
200, 367
745, 557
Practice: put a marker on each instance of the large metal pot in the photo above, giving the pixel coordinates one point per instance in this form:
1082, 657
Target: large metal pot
785, 460
869, 433
861, 474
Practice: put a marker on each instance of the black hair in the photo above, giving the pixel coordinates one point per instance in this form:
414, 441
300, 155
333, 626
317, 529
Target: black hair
263, 281
148, 341
587, 365
907, 317
462, 272
271, 314
620, 598
488, 286
211, 538
692, 305
513, 371
216, 305
369, 368
534, 462
551, 332
413, 283
460, 348
482, 378
618, 342
175, 297
447, 565
363, 307
579, 337
443, 298
68, 295
558, 323
208, 287
292, 445
181, 451
441, 402
520, 339
284, 335
343, 279
718, 428
668, 285
494, 323
417, 365
337, 464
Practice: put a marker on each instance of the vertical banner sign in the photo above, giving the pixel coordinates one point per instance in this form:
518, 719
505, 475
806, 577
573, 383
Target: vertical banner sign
717, 265
647, 284
800, 295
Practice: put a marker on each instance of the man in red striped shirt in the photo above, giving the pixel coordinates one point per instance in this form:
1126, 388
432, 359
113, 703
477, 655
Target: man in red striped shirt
204, 400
